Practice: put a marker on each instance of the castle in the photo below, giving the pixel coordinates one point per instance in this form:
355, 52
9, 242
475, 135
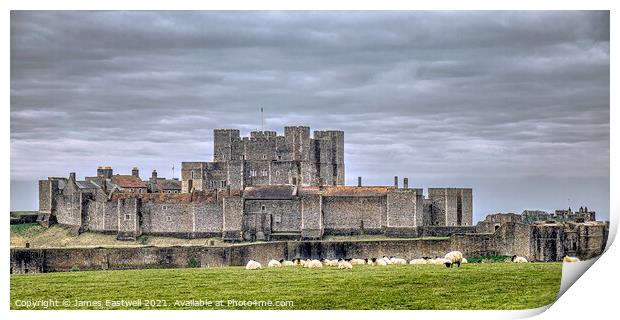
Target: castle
261, 187
268, 187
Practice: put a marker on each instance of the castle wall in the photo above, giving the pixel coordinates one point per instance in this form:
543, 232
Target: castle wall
45, 196
404, 208
232, 222
129, 226
353, 215
285, 214
311, 216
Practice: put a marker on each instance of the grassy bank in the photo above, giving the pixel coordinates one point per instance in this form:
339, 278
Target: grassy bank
473, 286
59, 237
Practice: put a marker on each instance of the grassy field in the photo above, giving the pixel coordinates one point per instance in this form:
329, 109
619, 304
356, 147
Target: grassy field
473, 286
59, 237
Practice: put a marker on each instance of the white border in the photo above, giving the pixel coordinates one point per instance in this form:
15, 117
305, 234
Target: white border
593, 295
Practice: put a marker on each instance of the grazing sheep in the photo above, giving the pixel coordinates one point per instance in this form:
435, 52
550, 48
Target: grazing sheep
455, 257
382, 262
330, 263
386, 259
517, 259
287, 263
464, 261
372, 261
398, 261
313, 264
253, 265
343, 264
570, 259
418, 261
444, 261
274, 264
358, 261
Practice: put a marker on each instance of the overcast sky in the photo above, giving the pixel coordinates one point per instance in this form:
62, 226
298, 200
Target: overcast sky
512, 104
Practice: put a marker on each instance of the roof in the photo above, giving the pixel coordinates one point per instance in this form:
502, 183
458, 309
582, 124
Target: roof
168, 184
167, 197
128, 181
86, 185
273, 192
352, 191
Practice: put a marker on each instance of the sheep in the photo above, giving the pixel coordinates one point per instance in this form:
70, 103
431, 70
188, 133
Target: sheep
313, 264
343, 264
386, 260
357, 261
274, 264
570, 259
464, 261
418, 261
372, 261
381, 262
253, 265
517, 259
454, 257
330, 263
398, 261
444, 261
287, 263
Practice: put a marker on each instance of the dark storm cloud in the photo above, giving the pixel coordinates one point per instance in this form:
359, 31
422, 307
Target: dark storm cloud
480, 99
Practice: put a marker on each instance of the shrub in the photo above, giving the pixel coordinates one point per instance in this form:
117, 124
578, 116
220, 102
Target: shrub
75, 268
143, 240
193, 263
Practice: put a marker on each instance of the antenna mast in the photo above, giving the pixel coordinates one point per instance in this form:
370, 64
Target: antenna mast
261, 119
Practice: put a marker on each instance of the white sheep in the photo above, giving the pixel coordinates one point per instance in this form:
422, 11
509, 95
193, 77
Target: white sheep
398, 261
517, 259
357, 261
330, 263
274, 264
386, 259
570, 259
382, 262
418, 261
444, 261
455, 257
253, 265
313, 264
343, 264
287, 263
464, 261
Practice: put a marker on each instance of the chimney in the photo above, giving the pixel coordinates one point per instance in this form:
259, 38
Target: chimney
405, 183
135, 172
359, 181
72, 176
154, 174
396, 182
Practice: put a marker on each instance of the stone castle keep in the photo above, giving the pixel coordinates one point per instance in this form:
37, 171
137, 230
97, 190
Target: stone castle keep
268, 187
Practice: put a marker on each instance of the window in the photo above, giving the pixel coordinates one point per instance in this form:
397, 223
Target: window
279, 157
264, 173
264, 157
127, 217
252, 173
277, 173
168, 218
164, 207
262, 208
223, 183
277, 218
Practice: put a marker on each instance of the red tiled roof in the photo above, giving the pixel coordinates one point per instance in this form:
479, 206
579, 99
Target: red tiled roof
128, 181
168, 184
352, 191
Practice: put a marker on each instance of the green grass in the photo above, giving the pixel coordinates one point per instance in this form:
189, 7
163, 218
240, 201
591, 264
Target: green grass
27, 229
489, 259
24, 212
473, 286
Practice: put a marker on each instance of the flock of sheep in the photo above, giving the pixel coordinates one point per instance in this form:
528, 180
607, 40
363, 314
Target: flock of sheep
450, 259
